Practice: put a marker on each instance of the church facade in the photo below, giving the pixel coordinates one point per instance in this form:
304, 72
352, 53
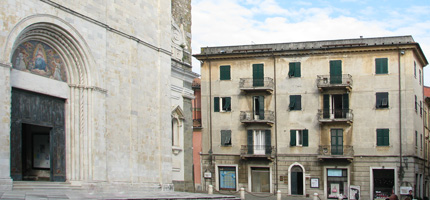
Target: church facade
85, 89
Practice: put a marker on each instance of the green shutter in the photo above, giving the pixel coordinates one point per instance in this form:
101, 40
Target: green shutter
305, 138
258, 75
227, 106
224, 72
297, 71
381, 65
379, 137
292, 138
345, 105
250, 142
298, 105
292, 68
335, 71
268, 141
216, 104
387, 137
326, 106
292, 102
261, 107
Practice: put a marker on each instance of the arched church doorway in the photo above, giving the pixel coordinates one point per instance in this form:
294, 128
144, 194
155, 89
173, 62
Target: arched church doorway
296, 180
37, 120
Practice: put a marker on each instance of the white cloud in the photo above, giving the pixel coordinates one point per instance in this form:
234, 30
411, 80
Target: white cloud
227, 22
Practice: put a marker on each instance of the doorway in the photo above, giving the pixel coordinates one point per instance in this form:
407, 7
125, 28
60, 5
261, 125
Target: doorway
296, 180
37, 137
260, 178
36, 153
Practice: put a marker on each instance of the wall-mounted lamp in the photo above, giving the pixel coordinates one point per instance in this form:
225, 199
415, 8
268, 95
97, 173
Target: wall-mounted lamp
402, 52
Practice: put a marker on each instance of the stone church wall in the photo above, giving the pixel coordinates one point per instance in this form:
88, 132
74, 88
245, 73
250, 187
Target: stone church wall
118, 124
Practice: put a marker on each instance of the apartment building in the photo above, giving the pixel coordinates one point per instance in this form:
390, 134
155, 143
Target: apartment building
337, 118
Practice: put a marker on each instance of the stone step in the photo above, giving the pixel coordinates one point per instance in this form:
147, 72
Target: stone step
43, 185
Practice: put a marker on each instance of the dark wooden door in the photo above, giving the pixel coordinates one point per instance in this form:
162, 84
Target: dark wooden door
40, 110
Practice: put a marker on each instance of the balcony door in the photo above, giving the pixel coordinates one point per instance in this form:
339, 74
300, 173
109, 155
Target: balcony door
336, 141
259, 142
335, 106
257, 75
335, 72
258, 107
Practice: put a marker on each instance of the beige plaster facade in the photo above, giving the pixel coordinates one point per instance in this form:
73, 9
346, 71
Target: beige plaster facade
336, 127
117, 57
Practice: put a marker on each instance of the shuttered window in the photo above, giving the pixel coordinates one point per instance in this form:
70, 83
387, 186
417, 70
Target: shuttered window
225, 137
381, 65
294, 69
224, 72
295, 102
222, 104
382, 100
382, 137
299, 138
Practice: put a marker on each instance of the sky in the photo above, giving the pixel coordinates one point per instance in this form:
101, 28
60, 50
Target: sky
241, 22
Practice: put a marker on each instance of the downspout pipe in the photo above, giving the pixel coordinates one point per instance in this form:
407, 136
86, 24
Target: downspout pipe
402, 172
276, 126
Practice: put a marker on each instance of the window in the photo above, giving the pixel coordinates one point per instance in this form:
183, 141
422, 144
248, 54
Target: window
421, 141
337, 182
299, 138
415, 69
259, 142
421, 108
227, 178
419, 78
295, 102
294, 69
382, 137
416, 139
382, 100
416, 104
224, 72
222, 104
225, 137
381, 65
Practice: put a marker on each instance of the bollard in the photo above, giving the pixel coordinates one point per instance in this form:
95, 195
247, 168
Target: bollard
278, 195
315, 196
211, 189
242, 193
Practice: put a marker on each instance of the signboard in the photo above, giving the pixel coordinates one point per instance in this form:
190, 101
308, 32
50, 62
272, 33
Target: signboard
354, 192
404, 190
207, 175
315, 182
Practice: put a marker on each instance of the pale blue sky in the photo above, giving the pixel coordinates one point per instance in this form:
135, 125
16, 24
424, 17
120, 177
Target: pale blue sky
238, 22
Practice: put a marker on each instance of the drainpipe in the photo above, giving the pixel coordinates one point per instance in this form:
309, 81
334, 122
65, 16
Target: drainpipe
401, 173
276, 126
210, 115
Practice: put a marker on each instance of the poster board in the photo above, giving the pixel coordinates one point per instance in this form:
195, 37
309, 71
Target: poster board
354, 192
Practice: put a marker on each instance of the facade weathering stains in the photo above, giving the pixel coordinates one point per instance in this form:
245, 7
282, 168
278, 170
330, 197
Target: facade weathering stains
337, 118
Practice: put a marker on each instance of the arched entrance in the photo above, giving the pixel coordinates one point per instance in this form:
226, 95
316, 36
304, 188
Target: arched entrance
296, 180
51, 92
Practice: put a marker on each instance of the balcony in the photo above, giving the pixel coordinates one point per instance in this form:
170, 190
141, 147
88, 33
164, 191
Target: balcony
330, 82
249, 117
257, 151
328, 152
335, 115
256, 85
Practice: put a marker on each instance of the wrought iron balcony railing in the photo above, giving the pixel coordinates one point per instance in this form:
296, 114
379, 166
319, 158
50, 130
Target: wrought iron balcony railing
257, 151
251, 84
334, 82
257, 117
336, 151
335, 115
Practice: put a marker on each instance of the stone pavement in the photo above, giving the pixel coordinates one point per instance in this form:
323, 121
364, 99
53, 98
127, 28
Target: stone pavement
84, 194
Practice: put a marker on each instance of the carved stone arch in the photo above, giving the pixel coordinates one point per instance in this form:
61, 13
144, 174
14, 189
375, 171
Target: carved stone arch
84, 96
